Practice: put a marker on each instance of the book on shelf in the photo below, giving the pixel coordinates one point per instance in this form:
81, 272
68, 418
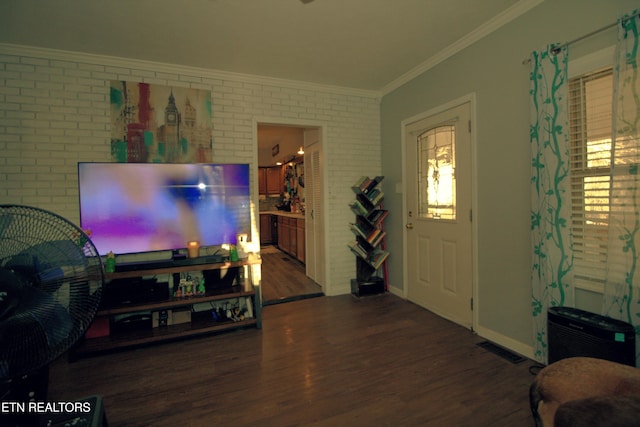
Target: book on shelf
372, 184
365, 184
365, 202
358, 231
358, 208
372, 194
364, 224
249, 306
377, 239
369, 188
357, 249
377, 258
373, 235
377, 216
377, 198
362, 183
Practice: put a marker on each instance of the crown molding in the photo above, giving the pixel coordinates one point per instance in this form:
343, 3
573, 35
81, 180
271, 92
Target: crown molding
518, 9
114, 61
487, 28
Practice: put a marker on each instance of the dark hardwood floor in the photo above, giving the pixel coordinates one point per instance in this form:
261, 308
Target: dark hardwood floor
284, 278
326, 361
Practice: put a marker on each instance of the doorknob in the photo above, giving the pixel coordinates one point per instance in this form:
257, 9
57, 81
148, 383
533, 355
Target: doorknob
409, 226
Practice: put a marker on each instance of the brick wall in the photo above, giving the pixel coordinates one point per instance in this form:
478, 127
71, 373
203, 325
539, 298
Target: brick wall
54, 113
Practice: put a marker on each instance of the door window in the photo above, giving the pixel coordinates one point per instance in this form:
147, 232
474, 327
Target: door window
437, 173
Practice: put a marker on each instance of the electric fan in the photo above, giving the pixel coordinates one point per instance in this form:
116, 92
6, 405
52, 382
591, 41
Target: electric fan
51, 279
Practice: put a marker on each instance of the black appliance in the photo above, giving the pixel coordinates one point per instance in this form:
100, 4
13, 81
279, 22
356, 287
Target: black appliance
573, 332
134, 290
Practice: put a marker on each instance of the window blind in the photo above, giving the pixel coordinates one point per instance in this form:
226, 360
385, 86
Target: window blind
590, 127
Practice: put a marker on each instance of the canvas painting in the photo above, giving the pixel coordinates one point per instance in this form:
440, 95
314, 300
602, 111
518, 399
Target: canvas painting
160, 124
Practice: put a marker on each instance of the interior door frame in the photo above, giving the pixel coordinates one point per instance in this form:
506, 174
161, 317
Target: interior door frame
306, 124
471, 99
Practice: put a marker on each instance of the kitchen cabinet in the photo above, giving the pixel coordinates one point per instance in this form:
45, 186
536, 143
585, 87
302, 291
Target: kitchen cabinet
300, 240
281, 239
262, 180
284, 236
265, 229
291, 238
275, 180
270, 180
274, 229
268, 229
293, 233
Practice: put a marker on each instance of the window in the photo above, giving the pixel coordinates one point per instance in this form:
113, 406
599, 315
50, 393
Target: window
437, 172
590, 124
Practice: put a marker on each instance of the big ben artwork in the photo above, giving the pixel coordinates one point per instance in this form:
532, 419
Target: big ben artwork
161, 124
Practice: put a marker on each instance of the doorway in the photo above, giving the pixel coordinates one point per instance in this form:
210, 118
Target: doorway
292, 269
438, 210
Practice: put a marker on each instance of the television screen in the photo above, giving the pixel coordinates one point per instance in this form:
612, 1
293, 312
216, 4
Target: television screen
143, 207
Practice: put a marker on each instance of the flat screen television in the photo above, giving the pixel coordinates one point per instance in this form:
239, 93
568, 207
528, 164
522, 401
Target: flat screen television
147, 207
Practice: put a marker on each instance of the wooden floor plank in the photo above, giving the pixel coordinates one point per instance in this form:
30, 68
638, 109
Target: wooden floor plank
284, 278
326, 361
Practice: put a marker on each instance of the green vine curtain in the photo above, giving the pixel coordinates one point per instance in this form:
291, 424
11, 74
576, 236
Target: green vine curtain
550, 188
622, 287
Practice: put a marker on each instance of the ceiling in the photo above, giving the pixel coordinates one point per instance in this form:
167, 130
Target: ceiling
356, 44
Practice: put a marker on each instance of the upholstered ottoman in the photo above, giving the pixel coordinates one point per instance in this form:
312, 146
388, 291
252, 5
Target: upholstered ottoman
584, 391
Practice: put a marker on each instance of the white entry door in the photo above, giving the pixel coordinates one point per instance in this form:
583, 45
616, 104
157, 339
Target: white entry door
438, 208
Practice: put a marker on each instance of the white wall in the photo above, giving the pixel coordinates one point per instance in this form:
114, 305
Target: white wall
54, 112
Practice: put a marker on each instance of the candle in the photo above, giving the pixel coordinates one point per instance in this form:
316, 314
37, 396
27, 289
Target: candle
193, 248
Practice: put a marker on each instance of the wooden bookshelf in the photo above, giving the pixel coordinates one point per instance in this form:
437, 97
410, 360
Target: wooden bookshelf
368, 229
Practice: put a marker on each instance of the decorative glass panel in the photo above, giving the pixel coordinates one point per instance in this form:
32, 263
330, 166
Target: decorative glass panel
437, 173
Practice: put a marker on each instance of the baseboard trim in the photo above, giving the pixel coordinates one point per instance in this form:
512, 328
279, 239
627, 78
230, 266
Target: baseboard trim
506, 342
488, 334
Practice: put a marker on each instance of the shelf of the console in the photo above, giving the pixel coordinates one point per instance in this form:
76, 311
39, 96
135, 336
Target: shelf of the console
215, 295
197, 326
179, 269
132, 338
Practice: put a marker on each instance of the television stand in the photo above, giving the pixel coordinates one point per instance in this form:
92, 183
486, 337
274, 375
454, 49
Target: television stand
109, 333
168, 263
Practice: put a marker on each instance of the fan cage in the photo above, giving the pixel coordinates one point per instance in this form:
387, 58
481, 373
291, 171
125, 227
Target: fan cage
51, 278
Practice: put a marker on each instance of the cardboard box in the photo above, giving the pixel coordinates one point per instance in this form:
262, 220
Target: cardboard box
181, 316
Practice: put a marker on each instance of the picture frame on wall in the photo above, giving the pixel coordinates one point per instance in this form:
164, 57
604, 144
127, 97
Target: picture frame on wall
160, 124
